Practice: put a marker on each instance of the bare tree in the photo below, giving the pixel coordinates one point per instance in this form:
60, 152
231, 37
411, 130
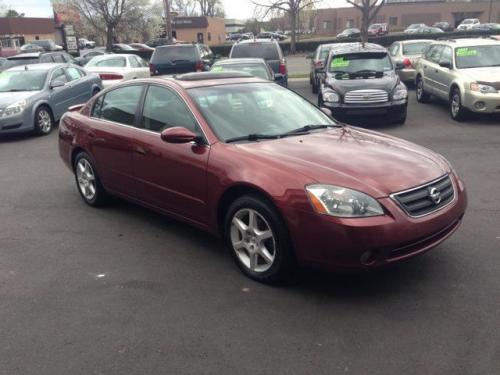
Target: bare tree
186, 7
290, 7
369, 10
211, 8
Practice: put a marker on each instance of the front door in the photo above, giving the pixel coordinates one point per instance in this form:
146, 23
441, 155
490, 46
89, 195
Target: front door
170, 176
60, 97
430, 66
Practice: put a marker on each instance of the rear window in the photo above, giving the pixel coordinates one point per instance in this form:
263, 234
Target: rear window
109, 62
15, 62
267, 51
415, 48
174, 54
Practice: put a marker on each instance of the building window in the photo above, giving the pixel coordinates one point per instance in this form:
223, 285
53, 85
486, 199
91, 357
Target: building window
393, 21
327, 25
349, 23
209, 36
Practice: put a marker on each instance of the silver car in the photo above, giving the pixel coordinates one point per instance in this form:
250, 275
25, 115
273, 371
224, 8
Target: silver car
34, 97
405, 54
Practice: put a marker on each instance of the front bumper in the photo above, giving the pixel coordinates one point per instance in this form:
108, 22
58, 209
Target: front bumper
20, 123
481, 103
331, 243
394, 109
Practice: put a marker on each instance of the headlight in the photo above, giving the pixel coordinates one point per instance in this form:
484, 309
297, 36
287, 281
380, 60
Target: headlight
13, 109
400, 94
342, 202
331, 96
485, 89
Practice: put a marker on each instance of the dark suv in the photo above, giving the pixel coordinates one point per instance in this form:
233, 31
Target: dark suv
39, 57
266, 49
362, 81
181, 58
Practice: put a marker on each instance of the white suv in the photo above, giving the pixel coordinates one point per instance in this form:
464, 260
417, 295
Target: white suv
467, 23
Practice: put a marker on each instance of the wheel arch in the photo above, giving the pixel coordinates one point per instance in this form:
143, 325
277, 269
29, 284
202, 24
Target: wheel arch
74, 153
43, 103
453, 86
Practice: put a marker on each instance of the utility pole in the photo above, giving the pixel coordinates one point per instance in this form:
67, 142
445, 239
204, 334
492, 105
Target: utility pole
491, 8
168, 21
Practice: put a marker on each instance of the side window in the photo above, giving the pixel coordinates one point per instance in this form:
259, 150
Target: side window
59, 76
58, 58
393, 50
97, 108
435, 54
73, 73
120, 105
46, 59
164, 109
133, 62
446, 55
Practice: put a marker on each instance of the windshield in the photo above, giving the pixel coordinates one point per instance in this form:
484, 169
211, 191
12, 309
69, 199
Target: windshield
267, 51
414, 48
360, 62
109, 62
477, 56
175, 53
255, 108
257, 70
22, 80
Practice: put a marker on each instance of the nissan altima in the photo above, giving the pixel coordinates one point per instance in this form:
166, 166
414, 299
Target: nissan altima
276, 177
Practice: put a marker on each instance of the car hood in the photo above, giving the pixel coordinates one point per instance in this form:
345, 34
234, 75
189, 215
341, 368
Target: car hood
351, 157
8, 98
486, 74
387, 83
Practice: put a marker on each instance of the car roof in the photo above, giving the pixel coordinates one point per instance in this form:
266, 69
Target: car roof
467, 42
357, 47
178, 45
409, 41
257, 40
43, 66
241, 61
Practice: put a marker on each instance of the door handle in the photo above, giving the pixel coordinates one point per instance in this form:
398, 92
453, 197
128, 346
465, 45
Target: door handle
141, 151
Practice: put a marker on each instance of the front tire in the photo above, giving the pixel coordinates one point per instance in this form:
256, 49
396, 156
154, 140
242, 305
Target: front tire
457, 111
87, 181
43, 122
422, 95
258, 239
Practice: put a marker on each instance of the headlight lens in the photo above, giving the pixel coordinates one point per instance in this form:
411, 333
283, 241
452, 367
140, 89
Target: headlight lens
342, 202
399, 94
331, 97
13, 109
485, 89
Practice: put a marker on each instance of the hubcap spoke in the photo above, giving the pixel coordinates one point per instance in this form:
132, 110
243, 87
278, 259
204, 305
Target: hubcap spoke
254, 261
86, 179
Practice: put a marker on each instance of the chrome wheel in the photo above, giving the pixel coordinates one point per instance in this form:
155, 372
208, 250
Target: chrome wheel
44, 121
455, 105
252, 240
86, 179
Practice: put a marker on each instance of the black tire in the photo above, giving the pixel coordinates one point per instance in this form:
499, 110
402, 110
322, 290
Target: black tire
100, 196
457, 111
44, 121
422, 95
315, 87
279, 246
320, 101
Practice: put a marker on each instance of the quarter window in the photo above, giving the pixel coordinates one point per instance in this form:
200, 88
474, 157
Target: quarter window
164, 109
119, 105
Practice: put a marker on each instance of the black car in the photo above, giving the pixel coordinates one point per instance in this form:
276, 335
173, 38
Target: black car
120, 47
181, 58
362, 81
349, 33
39, 57
443, 25
266, 49
159, 42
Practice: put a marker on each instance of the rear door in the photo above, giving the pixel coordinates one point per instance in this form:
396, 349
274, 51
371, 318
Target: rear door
444, 76
430, 65
81, 86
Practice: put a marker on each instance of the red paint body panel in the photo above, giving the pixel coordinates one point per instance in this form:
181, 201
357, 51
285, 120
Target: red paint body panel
188, 181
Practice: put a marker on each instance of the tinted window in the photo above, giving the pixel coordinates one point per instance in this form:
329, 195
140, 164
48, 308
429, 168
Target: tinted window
119, 105
73, 74
446, 55
164, 109
414, 48
257, 70
175, 53
268, 51
355, 62
59, 76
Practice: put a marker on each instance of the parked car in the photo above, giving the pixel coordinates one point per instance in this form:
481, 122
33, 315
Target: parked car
238, 156
443, 25
26, 48
159, 42
378, 29
115, 68
39, 57
362, 81
414, 27
86, 57
46, 44
427, 30
268, 50
255, 67
486, 26
317, 66
141, 47
467, 23
271, 35
405, 54
85, 43
349, 33
463, 72
181, 58
34, 97
120, 47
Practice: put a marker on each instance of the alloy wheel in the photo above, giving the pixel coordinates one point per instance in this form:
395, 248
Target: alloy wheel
455, 105
420, 89
44, 121
252, 240
86, 179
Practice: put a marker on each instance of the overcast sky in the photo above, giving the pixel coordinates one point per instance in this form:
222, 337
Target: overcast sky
241, 9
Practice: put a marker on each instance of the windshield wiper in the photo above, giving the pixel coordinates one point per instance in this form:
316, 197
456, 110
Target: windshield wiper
307, 128
252, 137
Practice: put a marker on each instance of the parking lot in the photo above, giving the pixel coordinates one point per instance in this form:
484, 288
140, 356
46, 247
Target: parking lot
124, 290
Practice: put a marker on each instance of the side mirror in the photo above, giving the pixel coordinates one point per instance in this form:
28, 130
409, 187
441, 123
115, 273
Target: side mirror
55, 84
278, 76
445, 64
399, 65
178, 134
326, 111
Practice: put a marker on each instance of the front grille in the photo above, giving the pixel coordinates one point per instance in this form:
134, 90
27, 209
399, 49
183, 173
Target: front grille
366, 97
427, 198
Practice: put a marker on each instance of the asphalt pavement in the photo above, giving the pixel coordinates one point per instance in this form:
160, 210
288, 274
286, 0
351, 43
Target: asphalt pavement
122, 290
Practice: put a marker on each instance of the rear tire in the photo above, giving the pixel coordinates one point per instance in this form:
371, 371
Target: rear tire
422, 95
87, 181
258, 240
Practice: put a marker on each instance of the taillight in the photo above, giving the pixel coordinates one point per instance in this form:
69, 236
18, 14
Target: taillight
152, 69
110, 76
407, 62
199, 66
282, 68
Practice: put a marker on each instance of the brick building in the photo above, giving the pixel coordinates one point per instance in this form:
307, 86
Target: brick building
14, 32
208, 30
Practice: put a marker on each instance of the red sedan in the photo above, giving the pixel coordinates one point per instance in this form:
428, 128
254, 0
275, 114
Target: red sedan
254, 162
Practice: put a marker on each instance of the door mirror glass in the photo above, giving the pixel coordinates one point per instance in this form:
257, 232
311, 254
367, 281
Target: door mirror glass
178, 134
